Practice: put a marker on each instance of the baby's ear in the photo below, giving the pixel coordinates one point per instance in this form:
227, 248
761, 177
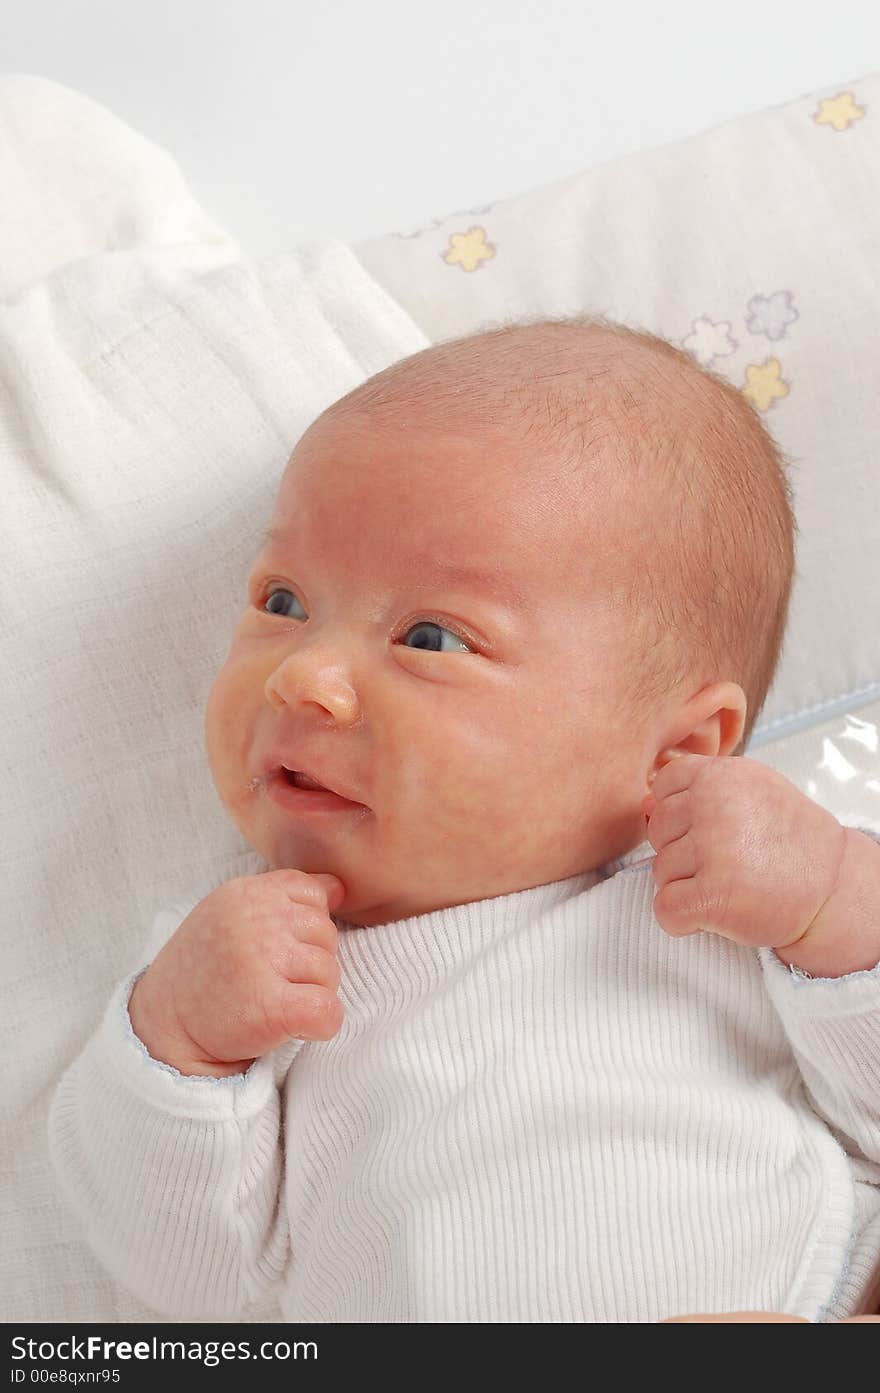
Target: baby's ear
672, 753
664, 757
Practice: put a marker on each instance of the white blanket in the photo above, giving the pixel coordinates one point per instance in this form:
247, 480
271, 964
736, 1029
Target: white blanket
152, 386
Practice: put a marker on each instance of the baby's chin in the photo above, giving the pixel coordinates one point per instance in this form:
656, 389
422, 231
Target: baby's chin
357, 913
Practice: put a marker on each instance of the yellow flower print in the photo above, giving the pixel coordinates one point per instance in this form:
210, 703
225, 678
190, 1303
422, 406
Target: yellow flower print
764, 383
839, 111
469, 249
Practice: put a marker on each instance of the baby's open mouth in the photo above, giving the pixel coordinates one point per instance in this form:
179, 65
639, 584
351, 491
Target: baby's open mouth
277, 775
301, 780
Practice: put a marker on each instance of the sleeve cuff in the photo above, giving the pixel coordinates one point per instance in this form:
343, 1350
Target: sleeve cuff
198, 1096
798, 993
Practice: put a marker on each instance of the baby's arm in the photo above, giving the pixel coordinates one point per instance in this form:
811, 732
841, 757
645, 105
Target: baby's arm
176, 1179
743, 853
833, 1020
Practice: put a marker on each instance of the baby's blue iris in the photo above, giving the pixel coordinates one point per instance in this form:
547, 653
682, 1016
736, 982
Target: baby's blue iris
426, 639
274, 596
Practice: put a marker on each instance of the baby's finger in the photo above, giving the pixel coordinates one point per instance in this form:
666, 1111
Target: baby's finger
674, 909
312, 1013
675, 861
321, 890
312, 966
679, 772
670, 819
313, 926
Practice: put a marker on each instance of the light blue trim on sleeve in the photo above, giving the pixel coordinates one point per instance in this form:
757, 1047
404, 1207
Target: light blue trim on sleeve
800, 978
227, 1080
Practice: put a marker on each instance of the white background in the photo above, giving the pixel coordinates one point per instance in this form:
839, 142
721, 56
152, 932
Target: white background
342, 118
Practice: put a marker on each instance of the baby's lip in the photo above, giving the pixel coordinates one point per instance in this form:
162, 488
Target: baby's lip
275, 764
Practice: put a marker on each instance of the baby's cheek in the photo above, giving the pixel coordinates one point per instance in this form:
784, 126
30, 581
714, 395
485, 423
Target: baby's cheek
228, 729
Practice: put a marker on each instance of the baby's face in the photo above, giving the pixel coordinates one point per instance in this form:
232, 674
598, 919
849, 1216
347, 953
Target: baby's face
475, 719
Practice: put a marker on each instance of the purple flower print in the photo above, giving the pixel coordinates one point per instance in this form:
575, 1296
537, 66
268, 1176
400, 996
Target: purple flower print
771, 314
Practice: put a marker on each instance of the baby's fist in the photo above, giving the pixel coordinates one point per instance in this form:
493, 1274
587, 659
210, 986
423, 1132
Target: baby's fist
741, 852
252, 966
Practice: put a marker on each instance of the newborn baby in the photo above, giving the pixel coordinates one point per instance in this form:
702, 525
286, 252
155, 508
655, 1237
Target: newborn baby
536, 1004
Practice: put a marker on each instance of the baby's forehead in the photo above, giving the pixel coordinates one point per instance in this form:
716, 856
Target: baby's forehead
484, 512
447, 477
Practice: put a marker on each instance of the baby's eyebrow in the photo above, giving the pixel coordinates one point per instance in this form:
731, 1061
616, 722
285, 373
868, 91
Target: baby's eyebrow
478, 576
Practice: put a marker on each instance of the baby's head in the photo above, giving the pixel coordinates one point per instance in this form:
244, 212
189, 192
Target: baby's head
508, 576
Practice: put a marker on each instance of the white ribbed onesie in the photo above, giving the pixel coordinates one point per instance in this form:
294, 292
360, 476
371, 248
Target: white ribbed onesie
540, 1107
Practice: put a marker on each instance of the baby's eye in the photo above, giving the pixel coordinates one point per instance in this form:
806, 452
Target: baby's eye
427, 631
279, 607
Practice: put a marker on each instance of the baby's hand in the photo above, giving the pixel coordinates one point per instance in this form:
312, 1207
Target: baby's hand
253, 965
740, 851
